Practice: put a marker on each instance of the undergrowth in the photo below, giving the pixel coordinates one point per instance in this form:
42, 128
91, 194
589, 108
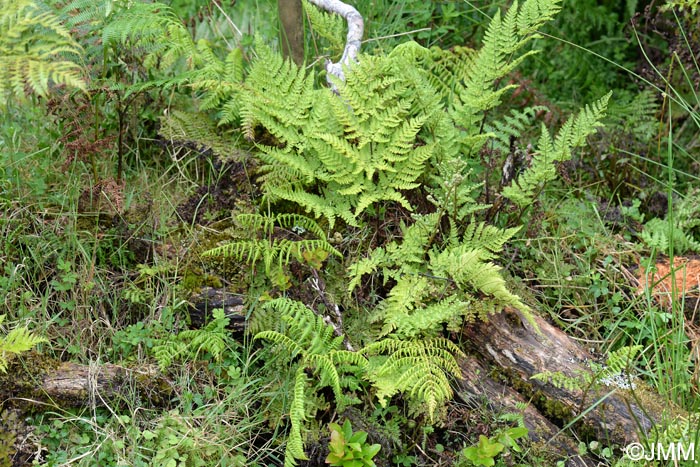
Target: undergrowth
469, 163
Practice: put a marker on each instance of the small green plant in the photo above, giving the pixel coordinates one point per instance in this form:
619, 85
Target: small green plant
214, 339
486, 450
274, 241
348, 449
18, 340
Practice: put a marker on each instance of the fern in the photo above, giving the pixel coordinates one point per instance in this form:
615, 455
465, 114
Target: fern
418, 368
562, 381
683, 232
504, 38
194, 129
549, 151
18, 340
423, 272
512, 126
305, 334
274, 251
191, 344
36, 50
329, 27
154, 27
612, 373
359, 149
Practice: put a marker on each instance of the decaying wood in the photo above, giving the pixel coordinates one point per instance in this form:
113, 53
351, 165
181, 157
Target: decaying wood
208, 299
503, 355
36, 379
518, 351
476, 388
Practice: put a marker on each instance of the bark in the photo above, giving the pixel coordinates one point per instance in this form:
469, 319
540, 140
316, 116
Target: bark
476, 387
292, 30
517, 351
353, 41
35, 379
209, 299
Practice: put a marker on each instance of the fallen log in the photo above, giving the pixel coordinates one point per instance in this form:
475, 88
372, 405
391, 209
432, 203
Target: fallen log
516, 351
502, 398
36, 379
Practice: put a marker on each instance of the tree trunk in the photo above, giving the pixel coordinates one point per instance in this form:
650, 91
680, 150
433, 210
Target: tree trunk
292, 29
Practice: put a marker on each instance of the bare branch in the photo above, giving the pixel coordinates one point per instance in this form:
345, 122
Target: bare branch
356, 26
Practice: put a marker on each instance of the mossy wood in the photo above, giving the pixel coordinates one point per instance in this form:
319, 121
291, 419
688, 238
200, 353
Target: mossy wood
517, 351
34, 379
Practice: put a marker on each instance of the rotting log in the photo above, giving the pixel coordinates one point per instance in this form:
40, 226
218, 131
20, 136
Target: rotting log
34, 379
502, 398
516, 351
209, 299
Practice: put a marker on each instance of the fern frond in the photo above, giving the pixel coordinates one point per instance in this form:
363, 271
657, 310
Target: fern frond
358, 149
307, 335
483, 236
512, 125
18, 340
184, 128
466, 266
167, 351
622, 359
297, 415
327, 26
549, 151
276, 253
504, 38
560, 380
418, 368
35, 50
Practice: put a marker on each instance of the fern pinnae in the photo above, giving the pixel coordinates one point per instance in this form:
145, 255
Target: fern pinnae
36, 49
548, 151
297, 416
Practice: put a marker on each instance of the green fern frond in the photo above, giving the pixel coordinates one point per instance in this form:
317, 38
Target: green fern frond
276, 253
621, 360
154, 26
549, 151
418, 368
278, 92
560, 380
358, 149
168, 351
297, 416
327, 26
36, 50
466, 266
512, 125
214, 339
17, 340
307, 335
483, 236
473, 91
187, 129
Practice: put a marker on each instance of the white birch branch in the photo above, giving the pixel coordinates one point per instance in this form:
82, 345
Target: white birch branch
356, 26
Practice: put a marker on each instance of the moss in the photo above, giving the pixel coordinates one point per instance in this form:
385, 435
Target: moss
554, 410
9, 423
